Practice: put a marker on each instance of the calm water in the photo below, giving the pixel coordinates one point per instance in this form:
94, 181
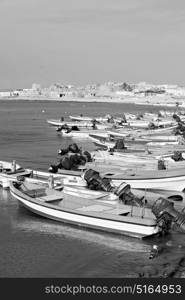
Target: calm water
31, 246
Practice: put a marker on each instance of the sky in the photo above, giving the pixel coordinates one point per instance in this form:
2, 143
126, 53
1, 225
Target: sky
91, 41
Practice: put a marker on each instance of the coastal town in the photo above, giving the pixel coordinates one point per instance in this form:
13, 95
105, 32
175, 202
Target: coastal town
140, 93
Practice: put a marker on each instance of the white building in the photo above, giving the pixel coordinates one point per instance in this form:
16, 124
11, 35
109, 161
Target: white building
178, 92
124, 93
5, 94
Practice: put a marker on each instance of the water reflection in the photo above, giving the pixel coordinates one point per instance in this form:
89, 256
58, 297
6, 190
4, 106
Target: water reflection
27, 222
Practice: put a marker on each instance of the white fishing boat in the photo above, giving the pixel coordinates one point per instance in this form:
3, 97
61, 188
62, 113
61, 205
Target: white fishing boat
138, 137
81, 133
104, 144
146, 124
10, 171
138, 178
128, 137
159, 131
104, 119
171, 179
134, 161
6, 166
140, 133
96, 210
160, 138
75, 134
58, 123
87, 119
129, 116
155, 148
125, 159
161, 144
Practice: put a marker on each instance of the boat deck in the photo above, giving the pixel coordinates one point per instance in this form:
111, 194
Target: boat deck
96, 207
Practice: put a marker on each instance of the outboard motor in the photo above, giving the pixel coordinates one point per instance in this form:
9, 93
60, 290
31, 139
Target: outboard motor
59, 128
87, 156
94, 122
63, 151
139, 117
75, 128
161, 164
68, 130
124, 119
126, 196
110, 119
166, 214
181, 127
53, 168
96, 182
119, 145
177, 131
176, 118
151, 125
62, 127
177, 156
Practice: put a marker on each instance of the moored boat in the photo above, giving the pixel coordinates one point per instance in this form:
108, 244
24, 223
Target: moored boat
146, 124
80, 133
11, 171
87, 119
58, 123
135, 161
160, 144
172, 179
104, 144
142, 132
92, 212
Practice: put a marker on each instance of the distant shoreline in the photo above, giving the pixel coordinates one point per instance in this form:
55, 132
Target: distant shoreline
134, 100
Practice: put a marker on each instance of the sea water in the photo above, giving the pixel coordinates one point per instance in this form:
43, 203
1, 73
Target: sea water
32, 246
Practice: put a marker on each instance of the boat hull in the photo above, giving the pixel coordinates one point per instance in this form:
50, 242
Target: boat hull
58, 123
123, 228
107, 145
75, 134
145, 124
174, 183
79, 134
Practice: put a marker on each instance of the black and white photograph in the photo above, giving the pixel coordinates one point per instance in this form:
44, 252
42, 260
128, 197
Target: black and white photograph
92, 141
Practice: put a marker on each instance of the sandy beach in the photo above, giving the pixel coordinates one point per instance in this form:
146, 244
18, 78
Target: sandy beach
151, 100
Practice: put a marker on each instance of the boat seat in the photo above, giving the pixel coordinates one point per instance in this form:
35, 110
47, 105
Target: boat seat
120, 211
51, 198
36, 193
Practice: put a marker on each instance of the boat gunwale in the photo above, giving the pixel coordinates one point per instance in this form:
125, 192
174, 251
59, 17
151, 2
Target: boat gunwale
160, 174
